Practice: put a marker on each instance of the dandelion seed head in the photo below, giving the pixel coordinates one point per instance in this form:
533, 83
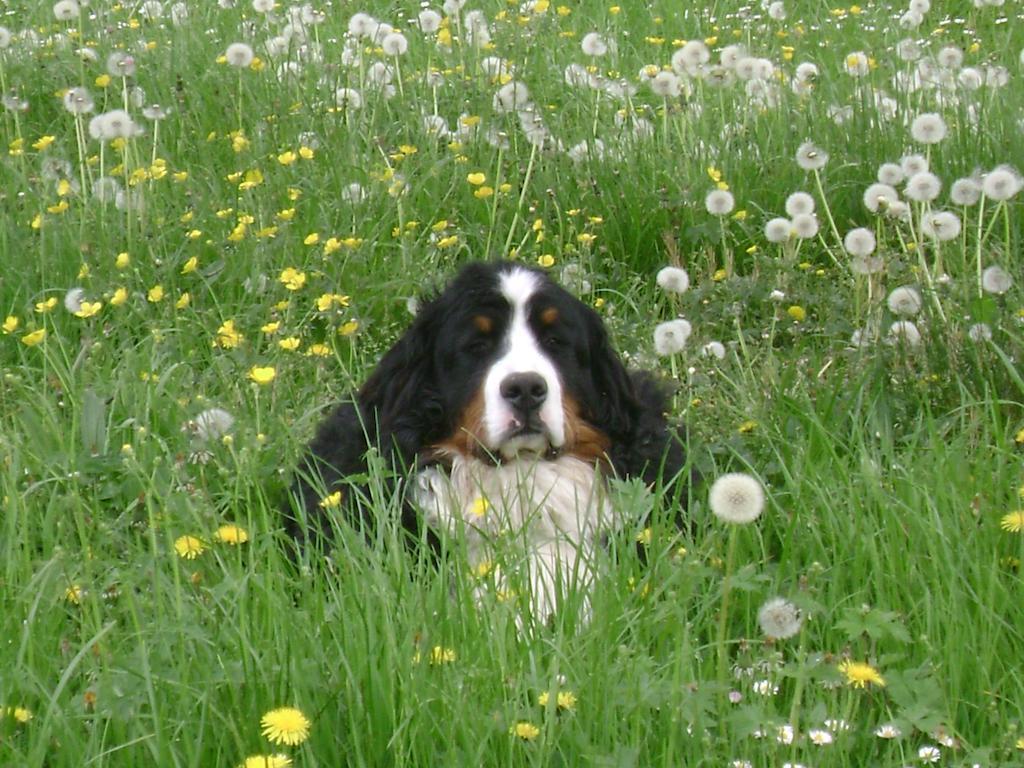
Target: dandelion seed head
1001, 183
928, 128
810, 157
950, 57
394, 44
965, 191
912, 164
714, 349
904, 301
239, 55
779, 619
778, 230
66, 10
736, 498
673, 279
859, 242
904, 332
805, 226
880, 196
979, 332
429, 21
719, 202
922, 187
940, 225
996, 280
799, 202
856, 64
670, 337
891, 174
78, 101
593, 45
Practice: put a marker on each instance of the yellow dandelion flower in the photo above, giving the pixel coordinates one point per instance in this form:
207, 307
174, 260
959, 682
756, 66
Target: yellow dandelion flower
89, 308
318, 350
349, 328
290, 344
861, 674
307, 153
228, 337
287, 158
231, 534
747, 427
292, 279
155, 294
190, 266
120, 297
33, 338
183, 301
262, 374
10, 324
332, 501
267, 761
798, 313
1020, 743
476, 178
1013, 522
189, 547
480, 506
46, 306
525, 730
448, 242
285, 725
20, 714
1019, 437
645, 537
74, 594
563, 700
482, 193
311, 239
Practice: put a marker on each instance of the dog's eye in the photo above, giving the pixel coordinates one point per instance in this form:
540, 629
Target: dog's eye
479, 345
553, 342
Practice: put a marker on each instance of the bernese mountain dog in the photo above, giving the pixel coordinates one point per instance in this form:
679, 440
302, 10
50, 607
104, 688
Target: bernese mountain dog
503, 410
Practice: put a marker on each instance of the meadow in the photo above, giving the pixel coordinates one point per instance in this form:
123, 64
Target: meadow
215, 218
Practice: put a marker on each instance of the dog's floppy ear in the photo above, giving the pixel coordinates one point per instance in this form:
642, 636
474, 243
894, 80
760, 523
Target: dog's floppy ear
615, 390
400, 399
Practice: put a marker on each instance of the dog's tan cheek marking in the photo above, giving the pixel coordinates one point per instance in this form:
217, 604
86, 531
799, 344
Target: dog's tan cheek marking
549, 316
466, 436
583, 440
483, 323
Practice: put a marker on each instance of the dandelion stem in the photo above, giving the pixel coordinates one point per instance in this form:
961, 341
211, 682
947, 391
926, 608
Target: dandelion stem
981, 239
723, 611
524, 186
831, 221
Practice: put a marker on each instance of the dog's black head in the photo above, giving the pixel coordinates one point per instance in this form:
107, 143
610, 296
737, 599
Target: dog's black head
503, 363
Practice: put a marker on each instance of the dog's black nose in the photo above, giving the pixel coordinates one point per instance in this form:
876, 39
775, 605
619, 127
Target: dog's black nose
525, 392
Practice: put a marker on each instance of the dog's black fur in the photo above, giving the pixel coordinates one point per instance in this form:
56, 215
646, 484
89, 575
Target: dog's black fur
414, 398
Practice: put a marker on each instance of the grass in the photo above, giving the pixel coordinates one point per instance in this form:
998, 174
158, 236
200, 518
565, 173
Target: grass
889, 467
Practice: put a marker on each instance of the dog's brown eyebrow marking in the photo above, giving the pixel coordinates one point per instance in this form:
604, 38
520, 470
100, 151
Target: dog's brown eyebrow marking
549, 316
483, 323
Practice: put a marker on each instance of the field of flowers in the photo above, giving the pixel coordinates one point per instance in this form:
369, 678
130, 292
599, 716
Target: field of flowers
217, 215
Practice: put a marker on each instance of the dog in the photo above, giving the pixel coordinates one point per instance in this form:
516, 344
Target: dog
502, 410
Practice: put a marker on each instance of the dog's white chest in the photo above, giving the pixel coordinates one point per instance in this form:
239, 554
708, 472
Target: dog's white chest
548, 515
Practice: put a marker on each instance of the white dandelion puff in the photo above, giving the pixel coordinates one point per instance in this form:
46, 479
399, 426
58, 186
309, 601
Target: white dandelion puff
912, 164
799, 202
594, 45
880, 196
891, 174
212, 424
857, 64
715, 349
805, 226
778, 230
859, 242
810, 157
979, 332
965, 191
941, 225
996, 280
719, 202
779, 619
670, 337
904, 331
928, 128
429, 21
1001, 183
239, 55
73, 300
736, 498
904, 301
673, 279
394, 44
923, 187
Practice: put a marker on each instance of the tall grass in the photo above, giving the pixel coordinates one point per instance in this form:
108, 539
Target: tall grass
889, 466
